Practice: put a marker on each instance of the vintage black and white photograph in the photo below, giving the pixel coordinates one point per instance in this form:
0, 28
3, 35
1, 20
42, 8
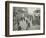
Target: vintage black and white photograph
24, 18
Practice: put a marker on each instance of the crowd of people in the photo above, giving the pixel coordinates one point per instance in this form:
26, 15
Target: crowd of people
25, 21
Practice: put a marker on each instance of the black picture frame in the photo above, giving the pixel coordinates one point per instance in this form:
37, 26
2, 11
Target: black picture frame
7, 17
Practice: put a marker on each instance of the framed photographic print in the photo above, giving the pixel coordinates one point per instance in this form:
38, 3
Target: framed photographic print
24, 18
